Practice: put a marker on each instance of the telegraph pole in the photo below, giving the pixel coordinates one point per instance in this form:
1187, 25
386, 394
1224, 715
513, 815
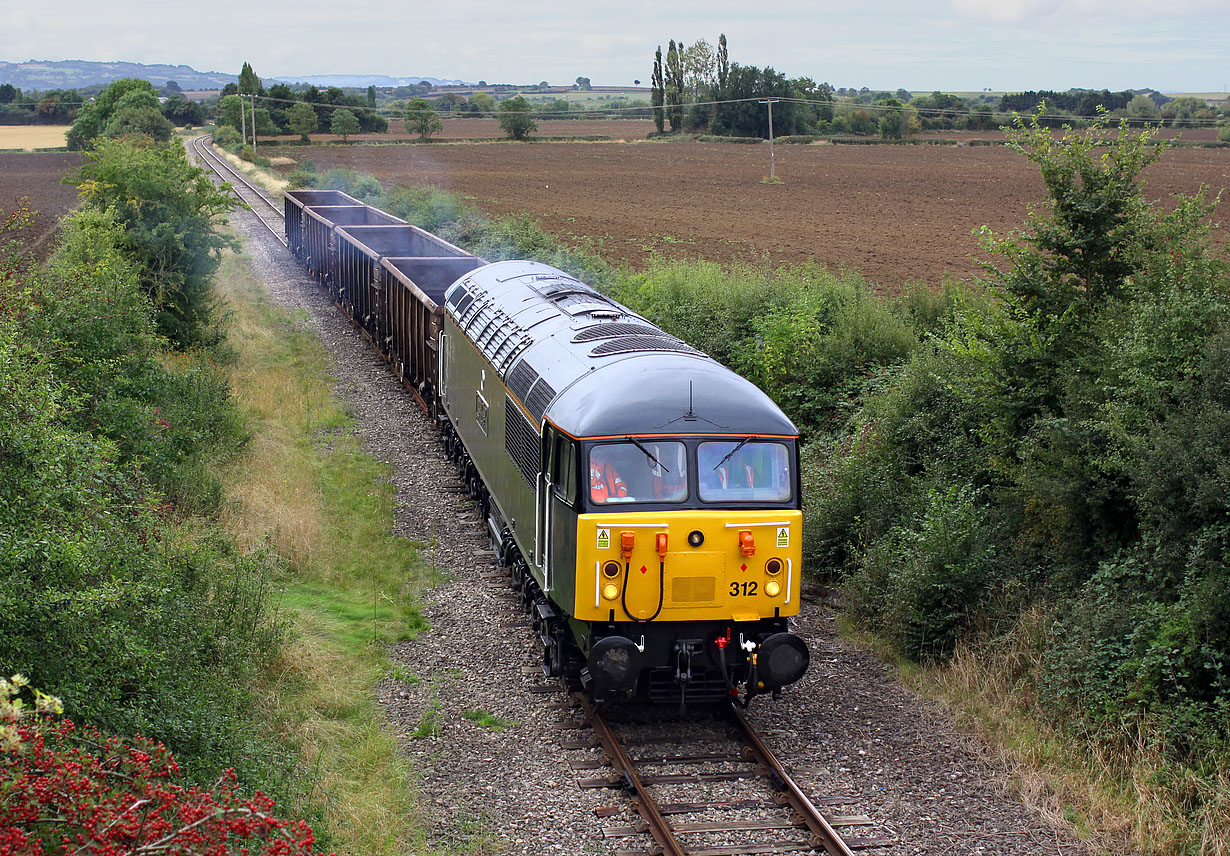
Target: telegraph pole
772, 161
243, 120
252, 99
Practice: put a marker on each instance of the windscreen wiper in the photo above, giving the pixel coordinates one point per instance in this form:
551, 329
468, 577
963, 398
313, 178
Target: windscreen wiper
649, 454
729, 454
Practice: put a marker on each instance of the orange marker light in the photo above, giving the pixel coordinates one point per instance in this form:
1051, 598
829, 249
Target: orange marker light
746, 544
661, 539
627, 540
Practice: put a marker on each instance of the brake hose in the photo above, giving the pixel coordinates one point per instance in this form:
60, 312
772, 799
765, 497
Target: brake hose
623, 597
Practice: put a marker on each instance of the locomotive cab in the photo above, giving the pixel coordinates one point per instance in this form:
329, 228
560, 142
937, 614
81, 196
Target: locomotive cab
694, 548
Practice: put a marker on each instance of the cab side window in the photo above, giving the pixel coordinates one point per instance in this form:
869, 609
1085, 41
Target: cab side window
564, 471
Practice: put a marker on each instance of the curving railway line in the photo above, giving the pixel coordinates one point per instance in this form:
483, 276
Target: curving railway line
736, 753
266, 209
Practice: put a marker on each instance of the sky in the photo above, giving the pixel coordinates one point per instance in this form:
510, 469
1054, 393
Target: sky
948, 45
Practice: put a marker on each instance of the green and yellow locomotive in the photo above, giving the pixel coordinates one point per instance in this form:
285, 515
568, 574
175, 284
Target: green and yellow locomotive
645, 498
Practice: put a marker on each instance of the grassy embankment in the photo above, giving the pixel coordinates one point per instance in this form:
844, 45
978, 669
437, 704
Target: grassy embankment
306, 485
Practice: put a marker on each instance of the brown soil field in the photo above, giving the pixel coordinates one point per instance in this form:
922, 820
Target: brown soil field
489, 129
37, 175
896, 213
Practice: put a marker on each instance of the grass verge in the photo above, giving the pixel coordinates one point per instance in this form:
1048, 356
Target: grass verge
306, 486
1125, 800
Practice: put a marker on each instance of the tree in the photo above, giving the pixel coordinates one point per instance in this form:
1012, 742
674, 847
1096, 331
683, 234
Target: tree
422, 119
249, 83
896, 120
344, 123
583, 84
302, 119
723, 66
516, 120
1187, 111
7, 93
483, 103
674, 87
1142, 107
658, 92
183, 111
230, 111
371, 96
699, 68
137, 114
263, 123
95, 115
747, 86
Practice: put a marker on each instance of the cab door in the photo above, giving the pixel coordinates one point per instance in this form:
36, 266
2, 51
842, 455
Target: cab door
544, 491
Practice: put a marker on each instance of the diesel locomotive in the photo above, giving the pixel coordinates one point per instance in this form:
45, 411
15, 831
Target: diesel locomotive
645, 499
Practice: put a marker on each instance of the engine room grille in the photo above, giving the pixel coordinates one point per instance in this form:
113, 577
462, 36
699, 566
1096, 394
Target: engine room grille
521, 378
521, 442
632, 344
538, 399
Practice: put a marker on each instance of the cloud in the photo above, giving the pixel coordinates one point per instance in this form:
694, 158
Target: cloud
1019, 11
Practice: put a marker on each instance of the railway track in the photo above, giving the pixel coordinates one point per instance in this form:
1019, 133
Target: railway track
265, 207
729, 778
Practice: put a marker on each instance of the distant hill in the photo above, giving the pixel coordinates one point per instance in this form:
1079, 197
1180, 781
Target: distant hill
362, 81
77, 74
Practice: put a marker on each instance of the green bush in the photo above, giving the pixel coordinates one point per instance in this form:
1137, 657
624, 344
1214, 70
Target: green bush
1062, 443
921, 582
171, 419
227, 136
169, 210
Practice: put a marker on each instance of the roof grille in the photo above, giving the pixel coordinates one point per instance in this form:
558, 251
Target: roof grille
634, 344
611, 331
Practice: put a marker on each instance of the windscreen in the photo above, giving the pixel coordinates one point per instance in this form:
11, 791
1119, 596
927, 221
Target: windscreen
744, 471
644, 471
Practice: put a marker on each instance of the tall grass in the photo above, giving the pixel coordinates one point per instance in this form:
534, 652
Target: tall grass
1128, 796
351, 587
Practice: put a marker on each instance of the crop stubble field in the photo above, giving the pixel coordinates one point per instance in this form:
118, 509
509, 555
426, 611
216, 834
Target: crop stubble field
897, 213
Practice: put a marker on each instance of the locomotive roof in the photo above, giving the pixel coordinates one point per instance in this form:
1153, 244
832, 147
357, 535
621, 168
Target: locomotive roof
592, 366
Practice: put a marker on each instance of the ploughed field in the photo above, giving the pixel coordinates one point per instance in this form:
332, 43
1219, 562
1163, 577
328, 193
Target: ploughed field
896, 213
37, 175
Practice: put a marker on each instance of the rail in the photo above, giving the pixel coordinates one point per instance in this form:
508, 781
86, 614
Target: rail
256, 198
822, 835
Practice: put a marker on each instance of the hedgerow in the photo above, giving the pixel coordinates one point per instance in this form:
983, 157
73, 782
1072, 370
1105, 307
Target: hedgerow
114, 593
